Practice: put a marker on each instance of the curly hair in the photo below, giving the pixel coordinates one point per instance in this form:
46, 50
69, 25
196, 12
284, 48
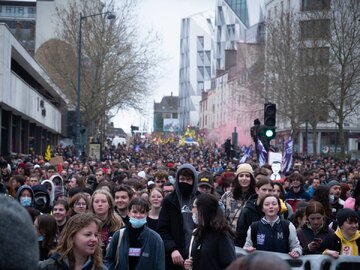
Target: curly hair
65, 245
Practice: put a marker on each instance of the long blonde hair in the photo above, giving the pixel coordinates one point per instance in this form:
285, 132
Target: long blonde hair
66, 242
113, 219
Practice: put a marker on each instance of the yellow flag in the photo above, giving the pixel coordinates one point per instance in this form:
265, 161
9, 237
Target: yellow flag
47, 156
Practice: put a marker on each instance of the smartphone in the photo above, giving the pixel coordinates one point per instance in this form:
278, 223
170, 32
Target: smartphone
317, 240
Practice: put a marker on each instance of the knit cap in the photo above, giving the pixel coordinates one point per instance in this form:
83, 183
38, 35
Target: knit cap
344, 214
333, 183
19, 248
244, 168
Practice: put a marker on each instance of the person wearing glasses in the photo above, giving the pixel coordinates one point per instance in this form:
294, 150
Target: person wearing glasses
78, 204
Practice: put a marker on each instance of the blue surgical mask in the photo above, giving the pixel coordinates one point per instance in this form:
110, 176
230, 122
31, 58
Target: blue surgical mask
137, 223
195, 219
40, 238
25, 201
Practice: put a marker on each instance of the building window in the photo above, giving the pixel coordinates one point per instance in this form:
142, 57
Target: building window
311, 5
200, 86
200, 43
315, 29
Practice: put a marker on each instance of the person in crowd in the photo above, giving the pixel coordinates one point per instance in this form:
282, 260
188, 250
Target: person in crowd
224, 182
206, 183
46, 229
19, 247
243, 187
60, 213
212, 245
78, 246
353, 202
49, 171
346, 239
78, 204
322, 195
257, 260
314, 185
136, 246
271, 233
252, 210
33, 180
168, 188
312, 234
336, 202
285, 209
156, 197
123, 195
160, 178
297, 191
299, 217
103, 206
25, 196
175, 223
76, 180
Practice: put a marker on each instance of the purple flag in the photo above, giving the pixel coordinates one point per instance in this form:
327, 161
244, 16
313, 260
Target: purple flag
262, 153
287, 156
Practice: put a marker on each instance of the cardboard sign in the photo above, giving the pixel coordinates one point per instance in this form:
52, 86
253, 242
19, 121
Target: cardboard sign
56, 160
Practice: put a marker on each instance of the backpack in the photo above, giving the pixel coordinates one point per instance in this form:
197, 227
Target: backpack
255, 227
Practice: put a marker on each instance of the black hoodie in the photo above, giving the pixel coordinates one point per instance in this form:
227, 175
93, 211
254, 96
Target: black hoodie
251, 212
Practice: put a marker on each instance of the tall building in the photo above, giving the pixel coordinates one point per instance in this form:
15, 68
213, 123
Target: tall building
20, 17
196, 41
232, 22
31, 105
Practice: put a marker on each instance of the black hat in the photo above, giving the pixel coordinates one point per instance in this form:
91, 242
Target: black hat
344, 214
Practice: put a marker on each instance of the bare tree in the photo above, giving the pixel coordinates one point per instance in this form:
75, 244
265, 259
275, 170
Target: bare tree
118, 66
344, 63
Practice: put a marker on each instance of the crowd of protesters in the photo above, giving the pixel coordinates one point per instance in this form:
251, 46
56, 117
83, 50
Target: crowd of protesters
151, 205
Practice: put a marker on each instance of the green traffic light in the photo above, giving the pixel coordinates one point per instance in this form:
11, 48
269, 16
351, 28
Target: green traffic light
269, 133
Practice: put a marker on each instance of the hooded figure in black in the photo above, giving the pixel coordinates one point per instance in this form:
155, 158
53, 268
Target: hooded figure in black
175, 223
41, 199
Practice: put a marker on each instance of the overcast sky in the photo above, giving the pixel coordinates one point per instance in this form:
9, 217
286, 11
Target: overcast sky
164, 17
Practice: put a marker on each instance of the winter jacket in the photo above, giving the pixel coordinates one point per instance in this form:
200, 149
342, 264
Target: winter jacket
54, 263
152, 256
214, 251
338, 243
306, 235
250, 213
293, 198
232, 207
271, 237
175, 220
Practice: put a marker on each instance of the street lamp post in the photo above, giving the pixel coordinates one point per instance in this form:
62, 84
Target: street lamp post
110, 16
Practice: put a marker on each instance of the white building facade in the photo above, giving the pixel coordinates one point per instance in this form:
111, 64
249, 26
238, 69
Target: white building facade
196, 40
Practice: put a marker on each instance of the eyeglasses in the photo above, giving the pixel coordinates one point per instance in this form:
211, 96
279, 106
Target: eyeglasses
80, 204
160, 182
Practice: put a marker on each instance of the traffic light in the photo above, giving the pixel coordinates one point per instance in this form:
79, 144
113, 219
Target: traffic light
269, 129
270, 114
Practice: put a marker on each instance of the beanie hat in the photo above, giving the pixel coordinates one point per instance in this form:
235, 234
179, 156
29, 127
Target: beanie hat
344, 214
18, 231
244, 168
333, 183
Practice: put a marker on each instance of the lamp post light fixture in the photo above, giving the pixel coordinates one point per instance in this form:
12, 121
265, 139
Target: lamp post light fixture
110, 16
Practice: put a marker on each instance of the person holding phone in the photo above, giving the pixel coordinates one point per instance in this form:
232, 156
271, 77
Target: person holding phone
312, 233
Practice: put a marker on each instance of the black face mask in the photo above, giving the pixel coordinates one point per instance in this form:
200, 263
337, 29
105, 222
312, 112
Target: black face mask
185, 189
